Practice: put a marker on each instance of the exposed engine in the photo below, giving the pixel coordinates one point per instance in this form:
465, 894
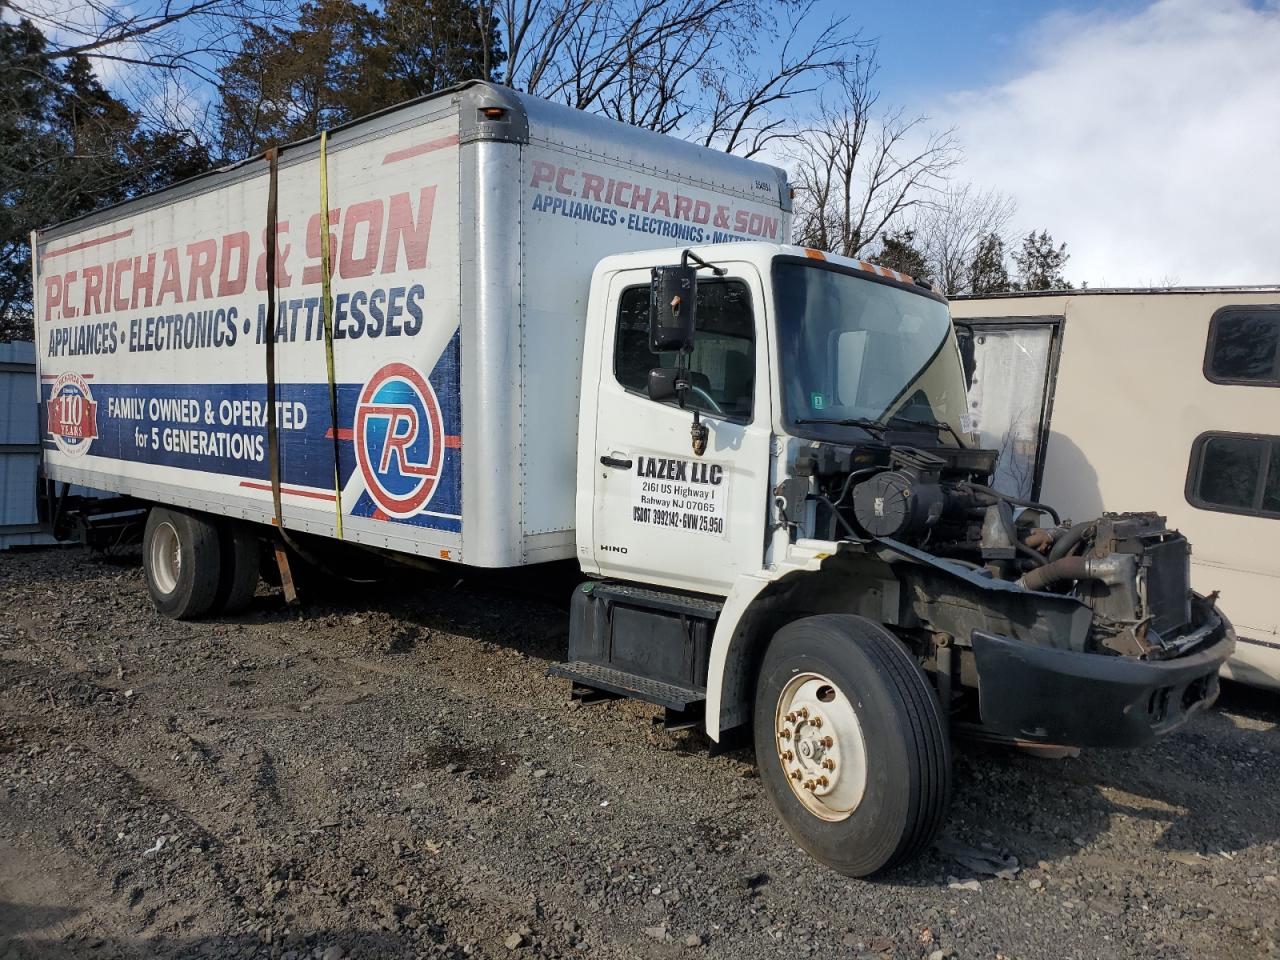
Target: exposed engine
1129, 568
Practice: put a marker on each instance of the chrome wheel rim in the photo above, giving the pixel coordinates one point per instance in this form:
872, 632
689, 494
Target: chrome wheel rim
166, 557
820, 746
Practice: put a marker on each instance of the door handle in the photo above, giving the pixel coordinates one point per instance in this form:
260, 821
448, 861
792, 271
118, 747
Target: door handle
615, 462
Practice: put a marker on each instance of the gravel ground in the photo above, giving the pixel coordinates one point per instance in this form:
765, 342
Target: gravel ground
394, 776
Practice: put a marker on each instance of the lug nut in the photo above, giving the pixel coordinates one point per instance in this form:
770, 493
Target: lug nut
791, 717
788, 756
795, 774
786, 734
828, 742
804, 712
822, 781
829, 763
809, 785
816, 721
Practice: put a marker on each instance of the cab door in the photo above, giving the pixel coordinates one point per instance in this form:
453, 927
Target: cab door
663, 514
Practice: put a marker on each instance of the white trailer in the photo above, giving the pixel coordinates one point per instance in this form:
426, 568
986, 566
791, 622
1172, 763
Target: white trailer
1188, 423
544, 335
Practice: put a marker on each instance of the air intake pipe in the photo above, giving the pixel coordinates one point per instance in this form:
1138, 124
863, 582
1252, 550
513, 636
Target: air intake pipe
1114, 569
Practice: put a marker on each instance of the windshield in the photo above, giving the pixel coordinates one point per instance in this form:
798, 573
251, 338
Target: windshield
854, 349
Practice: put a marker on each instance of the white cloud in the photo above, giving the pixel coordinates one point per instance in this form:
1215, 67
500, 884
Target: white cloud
1149, 142
70, 23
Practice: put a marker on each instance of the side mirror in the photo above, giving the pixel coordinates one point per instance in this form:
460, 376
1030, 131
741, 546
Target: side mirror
673, 306
965, 341
667, 383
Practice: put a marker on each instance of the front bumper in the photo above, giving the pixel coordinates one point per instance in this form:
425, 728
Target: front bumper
1045, 695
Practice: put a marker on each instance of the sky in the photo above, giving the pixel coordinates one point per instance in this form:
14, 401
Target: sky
1145, 135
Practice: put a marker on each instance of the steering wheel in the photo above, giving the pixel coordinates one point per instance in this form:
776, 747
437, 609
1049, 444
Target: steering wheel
710, 400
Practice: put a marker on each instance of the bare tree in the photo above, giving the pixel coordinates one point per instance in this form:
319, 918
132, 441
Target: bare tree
694, 68
745, 115
951, 228
859, 170
173, 36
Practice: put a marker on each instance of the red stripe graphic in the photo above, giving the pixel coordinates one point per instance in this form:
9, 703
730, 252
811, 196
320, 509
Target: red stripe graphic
87, 243
344, 433
54, 376
416, 151
291, 491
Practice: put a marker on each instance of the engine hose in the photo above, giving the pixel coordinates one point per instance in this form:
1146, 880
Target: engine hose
1033, 555
1068, 541
981, 491
1056, 571
848, 481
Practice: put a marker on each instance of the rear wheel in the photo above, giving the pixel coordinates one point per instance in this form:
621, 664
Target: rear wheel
182, 559
850, 744
241, 566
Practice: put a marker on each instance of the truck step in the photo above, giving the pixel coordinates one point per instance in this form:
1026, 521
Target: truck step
594, 677
691, 605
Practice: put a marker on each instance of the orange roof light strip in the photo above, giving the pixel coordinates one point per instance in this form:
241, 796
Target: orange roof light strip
885, 272
813, 254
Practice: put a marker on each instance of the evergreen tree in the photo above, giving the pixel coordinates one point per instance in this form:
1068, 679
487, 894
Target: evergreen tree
67, 146
439, 43
899, 252
987, 271
1040, 263
344, 60
286, 84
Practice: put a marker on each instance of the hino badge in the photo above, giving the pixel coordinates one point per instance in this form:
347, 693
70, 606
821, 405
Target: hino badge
485, 329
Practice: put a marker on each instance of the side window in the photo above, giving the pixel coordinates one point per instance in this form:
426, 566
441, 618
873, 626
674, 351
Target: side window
722, 366
1235, 473
1244, 346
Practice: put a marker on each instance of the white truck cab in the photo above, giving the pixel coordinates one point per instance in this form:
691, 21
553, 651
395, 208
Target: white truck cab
785, 515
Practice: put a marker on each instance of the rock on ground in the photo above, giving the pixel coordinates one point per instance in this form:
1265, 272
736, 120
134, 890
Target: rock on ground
364, 779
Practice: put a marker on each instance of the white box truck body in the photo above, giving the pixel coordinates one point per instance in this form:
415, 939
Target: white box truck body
462, 251
550, 341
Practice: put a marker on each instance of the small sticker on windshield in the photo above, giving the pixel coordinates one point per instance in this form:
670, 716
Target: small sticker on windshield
816, 401
966, 423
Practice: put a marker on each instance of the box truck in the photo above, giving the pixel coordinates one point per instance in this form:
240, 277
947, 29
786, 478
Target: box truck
485, 329
1193, 430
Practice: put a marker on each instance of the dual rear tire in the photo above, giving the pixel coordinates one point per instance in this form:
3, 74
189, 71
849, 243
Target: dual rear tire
196, 565
850, 744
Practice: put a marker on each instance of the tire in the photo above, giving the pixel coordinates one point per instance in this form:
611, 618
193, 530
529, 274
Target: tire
182, 559
885, 794
241, 566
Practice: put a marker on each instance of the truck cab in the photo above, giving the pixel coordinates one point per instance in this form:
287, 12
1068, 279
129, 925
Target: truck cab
788, 524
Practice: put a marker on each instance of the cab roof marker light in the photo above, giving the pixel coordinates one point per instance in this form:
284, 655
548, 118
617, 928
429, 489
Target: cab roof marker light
814, 254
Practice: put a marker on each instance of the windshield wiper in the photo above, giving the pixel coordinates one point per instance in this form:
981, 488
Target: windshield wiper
936, 424
866, 423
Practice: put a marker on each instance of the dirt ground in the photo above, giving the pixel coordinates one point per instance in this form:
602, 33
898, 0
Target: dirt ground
392, 775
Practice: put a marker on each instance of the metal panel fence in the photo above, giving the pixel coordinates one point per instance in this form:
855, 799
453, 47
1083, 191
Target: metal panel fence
19, 447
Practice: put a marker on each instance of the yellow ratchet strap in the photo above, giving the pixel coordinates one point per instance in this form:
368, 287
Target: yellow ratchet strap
326, 311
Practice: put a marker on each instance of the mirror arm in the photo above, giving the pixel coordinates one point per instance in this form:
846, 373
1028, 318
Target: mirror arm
690, 255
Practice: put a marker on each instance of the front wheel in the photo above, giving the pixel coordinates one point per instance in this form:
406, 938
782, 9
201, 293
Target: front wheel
850, 744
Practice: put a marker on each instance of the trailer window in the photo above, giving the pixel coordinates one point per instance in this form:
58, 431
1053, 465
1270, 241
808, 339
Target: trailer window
1235, 473
723, 364
1244, 346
